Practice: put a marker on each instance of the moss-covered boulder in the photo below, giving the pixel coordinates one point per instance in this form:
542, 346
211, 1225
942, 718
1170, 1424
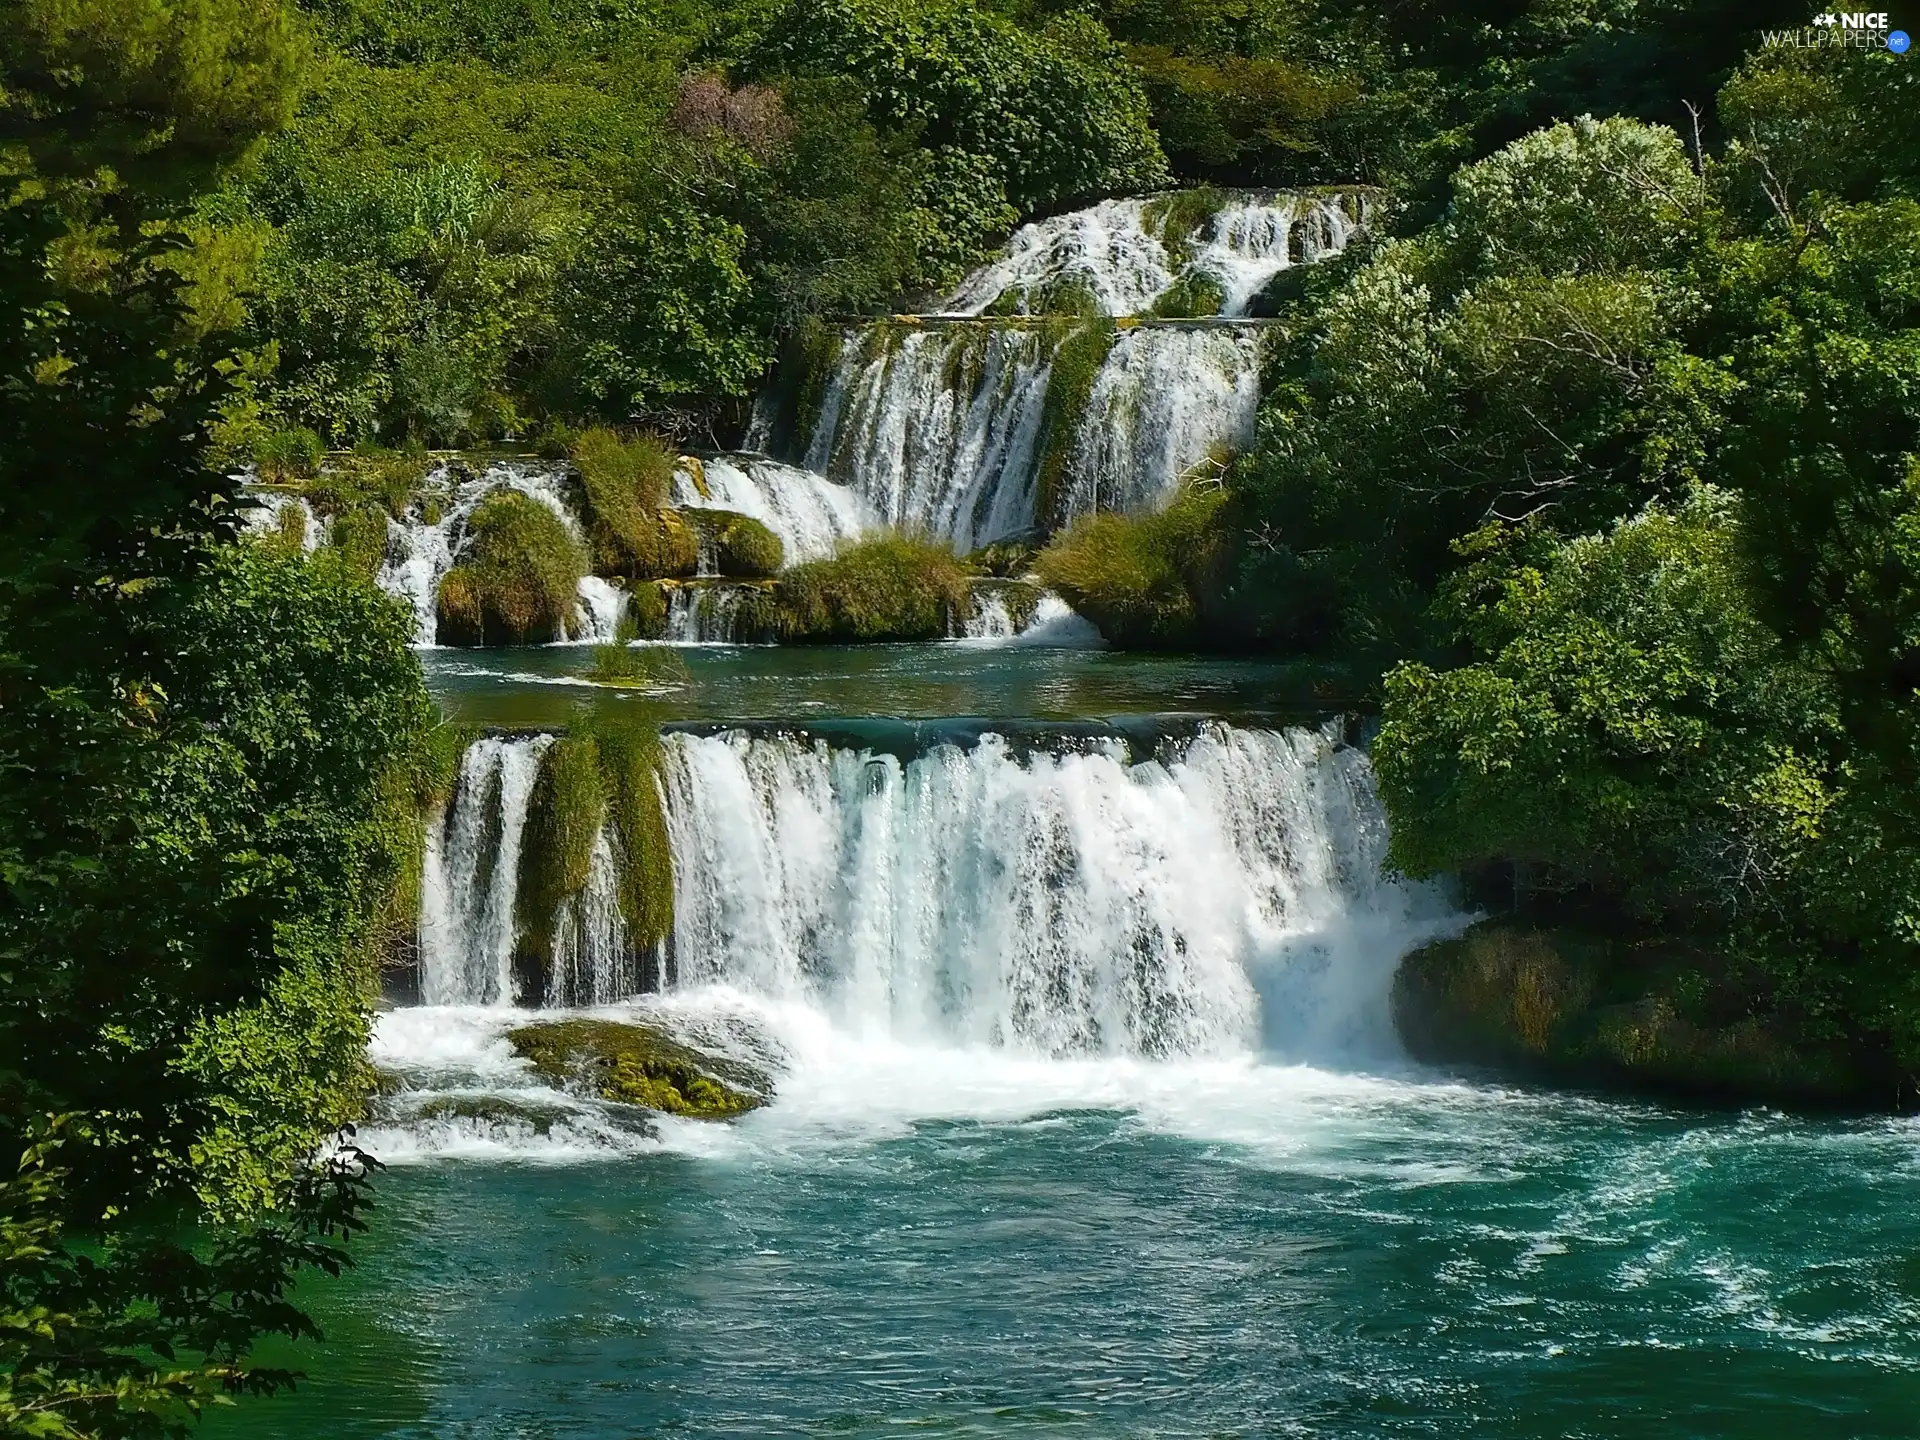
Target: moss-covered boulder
1146, 580
1582, 1007
736, 545
891, 587
632, 531
517, 578
639, 1064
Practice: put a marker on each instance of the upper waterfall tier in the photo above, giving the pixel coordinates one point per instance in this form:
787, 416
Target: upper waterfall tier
1129, 257
981, 433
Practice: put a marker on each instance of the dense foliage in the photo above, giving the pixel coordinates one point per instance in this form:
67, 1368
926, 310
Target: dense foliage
205, 756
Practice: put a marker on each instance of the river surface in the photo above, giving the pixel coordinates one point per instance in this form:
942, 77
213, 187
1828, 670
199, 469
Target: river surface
951, 1242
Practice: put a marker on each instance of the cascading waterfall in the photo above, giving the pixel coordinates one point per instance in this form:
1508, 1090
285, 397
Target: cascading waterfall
593, 962
1059, 903
276, 512
1053, 623
423, 546
809, 513
1063, 901
471, 874
1163, 403
938, 430
706, 614
1121, 254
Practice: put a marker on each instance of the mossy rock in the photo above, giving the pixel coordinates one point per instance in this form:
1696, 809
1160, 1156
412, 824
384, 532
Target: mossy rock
1078, 353
639, 1064
1192, 296
517, 578
1661, 1016
632, 531
888, 588
736, 545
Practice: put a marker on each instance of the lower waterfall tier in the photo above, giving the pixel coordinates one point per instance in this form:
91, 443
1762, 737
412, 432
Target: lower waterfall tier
1071, 893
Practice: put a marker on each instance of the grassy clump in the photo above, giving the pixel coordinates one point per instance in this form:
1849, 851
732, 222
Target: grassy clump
1143, 579
628, 746
1006, 559
283, 455
645, 617
564, 815
622, 664
518, 578
1078, 354
1193, 294
638, 1065
631, 529
890, 587
737, 545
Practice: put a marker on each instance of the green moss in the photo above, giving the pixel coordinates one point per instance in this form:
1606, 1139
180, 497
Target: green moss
564, 816
1175, 218
1078, 353
625, 481
359, 538
815, 351
517, 579
1143, 579
639, 1065
646, 612
737, 545
628, 745
890, 587
1193, 294
1656, 1014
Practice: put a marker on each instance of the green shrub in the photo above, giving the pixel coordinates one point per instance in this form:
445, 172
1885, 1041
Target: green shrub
359, 537
288, 455
737, 545
629, 526
891, 587
621, 664
1143, 579
517, 578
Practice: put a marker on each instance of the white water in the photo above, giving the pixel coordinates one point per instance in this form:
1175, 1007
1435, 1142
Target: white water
268, 517
1059, 904
964, 925
705, 614
937, 431
1161, 405
809, 513
1123, 257
471, 874
1053, 624
596, 617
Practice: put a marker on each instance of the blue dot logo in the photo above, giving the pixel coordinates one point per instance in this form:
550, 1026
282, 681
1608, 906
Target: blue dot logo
1898, 42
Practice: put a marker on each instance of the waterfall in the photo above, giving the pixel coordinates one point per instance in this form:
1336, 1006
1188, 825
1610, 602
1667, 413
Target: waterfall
1071, 903
593, 964
809, 513
937, 430
708, 613
1164, 401
471, 872
597, 612
1127, 254
270, 512
423, 546
1054, 624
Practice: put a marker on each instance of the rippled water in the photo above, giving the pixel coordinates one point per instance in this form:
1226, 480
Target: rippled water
962, 1242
